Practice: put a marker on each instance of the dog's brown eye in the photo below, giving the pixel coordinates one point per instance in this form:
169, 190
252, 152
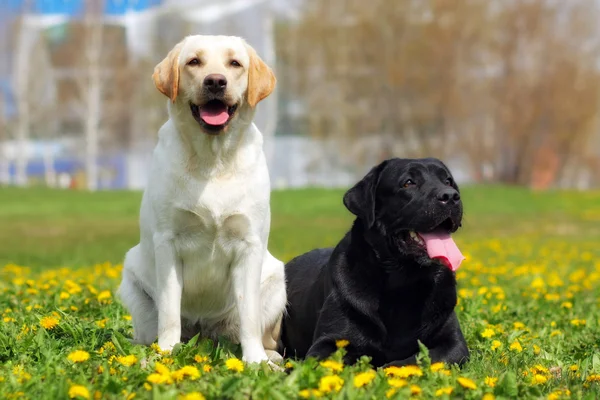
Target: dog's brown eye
234, 63
193, 61
449, 181
409, 182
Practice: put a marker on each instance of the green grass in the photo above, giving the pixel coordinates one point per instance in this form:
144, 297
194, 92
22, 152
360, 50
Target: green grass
531, 282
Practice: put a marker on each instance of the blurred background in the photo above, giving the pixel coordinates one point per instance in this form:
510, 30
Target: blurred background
504, 91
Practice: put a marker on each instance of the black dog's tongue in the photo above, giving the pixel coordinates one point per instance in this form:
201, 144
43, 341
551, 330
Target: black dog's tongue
440, 245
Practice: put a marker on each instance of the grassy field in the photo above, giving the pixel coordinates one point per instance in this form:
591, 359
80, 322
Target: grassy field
528, 301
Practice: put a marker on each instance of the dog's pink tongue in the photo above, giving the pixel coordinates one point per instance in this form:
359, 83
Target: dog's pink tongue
214, 114
440, 245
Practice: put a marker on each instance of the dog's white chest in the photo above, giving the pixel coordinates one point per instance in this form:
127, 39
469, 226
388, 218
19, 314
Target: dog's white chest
212, 230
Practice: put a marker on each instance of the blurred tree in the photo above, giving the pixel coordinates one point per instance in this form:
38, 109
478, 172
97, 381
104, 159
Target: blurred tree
489, 82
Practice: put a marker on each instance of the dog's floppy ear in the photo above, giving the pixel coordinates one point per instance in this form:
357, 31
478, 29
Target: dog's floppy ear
261, 79
360, 199
166, 73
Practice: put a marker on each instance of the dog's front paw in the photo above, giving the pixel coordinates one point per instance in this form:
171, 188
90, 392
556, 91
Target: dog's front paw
166, 345
255, 357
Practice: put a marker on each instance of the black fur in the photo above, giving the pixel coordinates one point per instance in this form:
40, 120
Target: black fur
378, 288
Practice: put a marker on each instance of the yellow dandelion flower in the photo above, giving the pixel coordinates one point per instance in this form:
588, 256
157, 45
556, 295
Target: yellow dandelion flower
539, 369
437, 366
206, 368
159, 379
192, 396
593, 378
306, 393
187, 371
488, 396
516, 346
539, 379
415, 390
403, 372
364, 378
234, 364
147, 386
488, 333
49, 323
574, 368
64, 295
567, 305
390, 393
536, 349
466, 383
8, 319
127, 361
397, 382
518, 325
555, 333
331, 383
333, 365
76, 391
445, 390
200, 359
496, 344
102, 323
127, 317
161, 369
78, 356
288, 365
578, 322
490, 381
104, 296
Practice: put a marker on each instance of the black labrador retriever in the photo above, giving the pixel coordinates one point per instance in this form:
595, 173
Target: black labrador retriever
390, 281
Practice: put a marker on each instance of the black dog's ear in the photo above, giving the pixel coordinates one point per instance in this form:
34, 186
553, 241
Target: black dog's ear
360, 199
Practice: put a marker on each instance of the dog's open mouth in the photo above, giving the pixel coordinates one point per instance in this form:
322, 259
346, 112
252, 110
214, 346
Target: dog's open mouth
439, 244
213, 115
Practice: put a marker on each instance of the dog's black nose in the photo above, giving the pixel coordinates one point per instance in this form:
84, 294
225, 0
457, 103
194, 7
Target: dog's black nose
448, 195
215, 83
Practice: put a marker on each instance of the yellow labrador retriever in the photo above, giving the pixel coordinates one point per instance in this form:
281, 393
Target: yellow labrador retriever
202, 264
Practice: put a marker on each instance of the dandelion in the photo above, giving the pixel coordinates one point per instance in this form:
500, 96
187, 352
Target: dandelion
78, 391
127, 317
333, 365
127, 361
78, 356
536, 349
397, 382
192, 396
488, 396
186, 371
466, 383
49, 323
593, 378
555, 333
516, 346
364, 378
574, 368
20, 373
539, 379
234, 364
415, 390
518, 325
578, 322
200, 359
288, 365
488, 333
102, 323
437, 366
64, 295
567, 305
331, 383
445, 390
104, 296
489, 381
206, 368
403, 372
496, 344
306, 393
340, 344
